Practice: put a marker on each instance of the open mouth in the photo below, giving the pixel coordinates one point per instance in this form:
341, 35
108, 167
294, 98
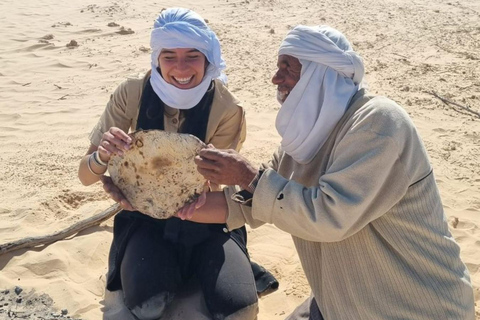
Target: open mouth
183, 81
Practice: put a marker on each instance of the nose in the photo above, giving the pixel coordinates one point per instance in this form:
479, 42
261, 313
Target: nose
182, 64
278, 77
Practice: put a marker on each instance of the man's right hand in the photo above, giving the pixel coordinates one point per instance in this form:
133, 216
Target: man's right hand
225, 167
115, 193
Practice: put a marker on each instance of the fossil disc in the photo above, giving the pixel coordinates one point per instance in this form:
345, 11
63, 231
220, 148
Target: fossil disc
158, 175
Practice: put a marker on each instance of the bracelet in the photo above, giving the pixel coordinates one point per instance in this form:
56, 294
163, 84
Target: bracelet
99, 160
90, 167
253, 184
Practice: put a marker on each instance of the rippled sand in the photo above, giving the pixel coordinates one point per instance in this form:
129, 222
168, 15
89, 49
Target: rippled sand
51, 95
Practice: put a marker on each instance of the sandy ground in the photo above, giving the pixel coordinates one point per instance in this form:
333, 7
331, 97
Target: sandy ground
52, 95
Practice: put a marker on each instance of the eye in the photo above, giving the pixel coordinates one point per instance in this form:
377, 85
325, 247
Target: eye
194, 57
293, 70
167, 56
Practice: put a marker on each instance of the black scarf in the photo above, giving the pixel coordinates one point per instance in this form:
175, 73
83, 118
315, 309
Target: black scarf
152, 108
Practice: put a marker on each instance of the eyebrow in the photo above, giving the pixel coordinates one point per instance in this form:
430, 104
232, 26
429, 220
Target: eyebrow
171, 51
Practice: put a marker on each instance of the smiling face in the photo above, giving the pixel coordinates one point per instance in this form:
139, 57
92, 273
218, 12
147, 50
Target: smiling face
182, 67
287, 76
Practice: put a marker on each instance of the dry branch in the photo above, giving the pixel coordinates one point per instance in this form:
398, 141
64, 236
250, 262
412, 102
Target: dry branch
400, 55
448, 102
77, 227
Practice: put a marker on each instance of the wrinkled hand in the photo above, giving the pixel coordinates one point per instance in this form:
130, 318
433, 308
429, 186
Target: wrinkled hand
225, 167
115, 193
114, 141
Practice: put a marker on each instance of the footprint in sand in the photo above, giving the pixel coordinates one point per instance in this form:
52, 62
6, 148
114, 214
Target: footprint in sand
45, 39
72, 44
144, 49
65, 24
456, 223
124, 31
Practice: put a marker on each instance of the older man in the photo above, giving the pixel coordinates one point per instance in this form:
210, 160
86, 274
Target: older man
353, 185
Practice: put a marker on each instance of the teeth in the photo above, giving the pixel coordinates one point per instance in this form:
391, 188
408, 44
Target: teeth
183, 80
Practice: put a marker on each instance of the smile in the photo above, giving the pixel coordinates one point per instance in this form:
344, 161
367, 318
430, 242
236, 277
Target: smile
183, 80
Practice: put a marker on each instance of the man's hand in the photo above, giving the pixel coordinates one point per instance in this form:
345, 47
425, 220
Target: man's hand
225, 167
115, 193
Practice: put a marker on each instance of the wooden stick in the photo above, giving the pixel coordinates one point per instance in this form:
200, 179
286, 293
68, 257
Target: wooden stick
400, 55
448, 102
77, 227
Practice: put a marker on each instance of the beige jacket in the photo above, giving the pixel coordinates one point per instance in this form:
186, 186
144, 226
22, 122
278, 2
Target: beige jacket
226, 125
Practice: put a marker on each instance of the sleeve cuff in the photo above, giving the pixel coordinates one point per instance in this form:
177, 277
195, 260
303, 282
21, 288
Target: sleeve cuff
235, 215
244, 197
242, 204
268, 191
96, 135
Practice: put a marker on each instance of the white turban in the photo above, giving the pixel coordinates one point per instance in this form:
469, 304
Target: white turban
330, 77
183, 28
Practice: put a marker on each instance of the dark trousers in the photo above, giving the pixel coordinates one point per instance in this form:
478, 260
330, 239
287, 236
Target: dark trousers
152, 265
308, 310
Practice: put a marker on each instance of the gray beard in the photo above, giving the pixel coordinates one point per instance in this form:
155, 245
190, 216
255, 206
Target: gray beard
279, 97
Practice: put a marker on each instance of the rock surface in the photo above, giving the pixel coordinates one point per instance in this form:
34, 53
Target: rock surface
15, 303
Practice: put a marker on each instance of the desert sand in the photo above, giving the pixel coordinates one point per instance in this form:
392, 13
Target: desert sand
60, 61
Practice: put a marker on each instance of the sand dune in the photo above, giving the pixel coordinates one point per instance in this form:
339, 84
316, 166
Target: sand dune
52, 95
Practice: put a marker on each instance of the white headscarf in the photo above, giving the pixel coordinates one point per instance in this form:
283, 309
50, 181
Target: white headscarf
183, 28
330, 76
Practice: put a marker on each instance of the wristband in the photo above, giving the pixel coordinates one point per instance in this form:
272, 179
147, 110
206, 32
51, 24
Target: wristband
90, 167
253, 184
98, 160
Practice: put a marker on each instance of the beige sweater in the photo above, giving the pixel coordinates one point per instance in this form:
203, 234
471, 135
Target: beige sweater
367, 221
